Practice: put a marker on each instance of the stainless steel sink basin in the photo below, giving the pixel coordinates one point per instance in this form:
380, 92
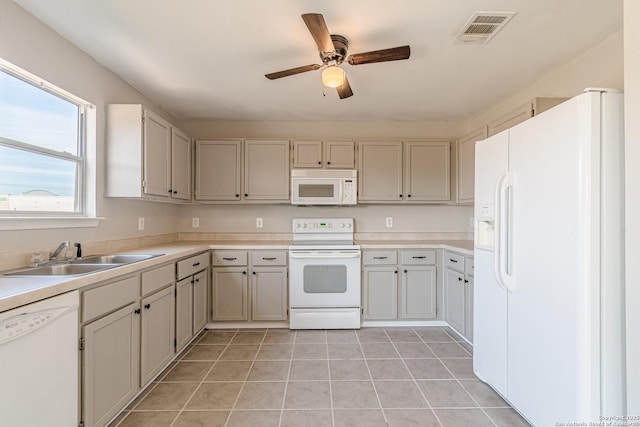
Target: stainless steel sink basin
62, 270
113, 259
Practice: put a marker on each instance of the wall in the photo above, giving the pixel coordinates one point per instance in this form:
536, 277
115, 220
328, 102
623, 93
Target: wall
632, 189
29, 44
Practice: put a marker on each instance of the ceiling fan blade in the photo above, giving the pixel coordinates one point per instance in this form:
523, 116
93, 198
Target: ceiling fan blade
344, 91
384, 55
292, 71
318, 29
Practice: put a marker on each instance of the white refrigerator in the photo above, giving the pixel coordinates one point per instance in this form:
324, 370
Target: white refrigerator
548, 297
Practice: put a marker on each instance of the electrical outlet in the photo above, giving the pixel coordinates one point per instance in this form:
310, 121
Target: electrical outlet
195, 222
258, 222
389, 222
140, 223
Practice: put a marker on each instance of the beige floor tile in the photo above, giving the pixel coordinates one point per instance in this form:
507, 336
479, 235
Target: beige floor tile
254, 419
483, 394
506, 417
427, 369
188, 371
306, 370
399, 394
202, 419
411, 418
248, 337
345, 351
261, 395
463, 418
275, 352
348, 370
354, 394
306, 418
204, 352
434, 335
225, 370
217, 337
240, 352
445, 350
307, 395
269, 370
311, 337
446, 394
402, 335
388, 369
342, 337
310, 351
379, 351
167, 396
215, 396
414, 350
279, 336
359, 418
462, 369
149, 419
372, 335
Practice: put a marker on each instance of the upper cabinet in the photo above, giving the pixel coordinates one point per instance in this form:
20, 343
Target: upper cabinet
147, 157
466, 164
323, 154
415, 171
522, 113
242, 171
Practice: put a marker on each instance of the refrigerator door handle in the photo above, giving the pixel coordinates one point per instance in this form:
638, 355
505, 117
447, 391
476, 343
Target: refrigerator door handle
497, 229
505, 255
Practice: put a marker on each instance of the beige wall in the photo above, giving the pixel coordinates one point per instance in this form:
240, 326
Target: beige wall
29, 44
632, 188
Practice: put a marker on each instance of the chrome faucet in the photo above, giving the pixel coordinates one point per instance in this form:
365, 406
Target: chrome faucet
54, 255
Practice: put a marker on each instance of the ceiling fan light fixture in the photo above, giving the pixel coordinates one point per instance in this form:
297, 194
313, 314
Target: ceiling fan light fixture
333, 76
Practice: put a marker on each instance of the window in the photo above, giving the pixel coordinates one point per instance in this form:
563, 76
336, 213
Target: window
42, 147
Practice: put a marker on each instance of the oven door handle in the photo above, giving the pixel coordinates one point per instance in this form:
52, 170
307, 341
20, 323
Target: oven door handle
324, 256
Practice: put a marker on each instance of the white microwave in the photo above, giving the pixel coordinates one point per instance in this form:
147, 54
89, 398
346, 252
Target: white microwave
324, 187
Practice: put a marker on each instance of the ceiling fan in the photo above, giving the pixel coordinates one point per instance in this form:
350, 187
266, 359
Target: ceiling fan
333, 52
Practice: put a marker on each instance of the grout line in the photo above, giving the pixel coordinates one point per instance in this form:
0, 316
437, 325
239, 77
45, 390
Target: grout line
375, 390
286, 384
333, 417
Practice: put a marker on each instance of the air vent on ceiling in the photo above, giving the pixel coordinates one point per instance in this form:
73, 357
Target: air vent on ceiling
482, 27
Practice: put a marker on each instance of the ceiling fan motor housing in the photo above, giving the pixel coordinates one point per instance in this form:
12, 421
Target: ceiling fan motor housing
341, 44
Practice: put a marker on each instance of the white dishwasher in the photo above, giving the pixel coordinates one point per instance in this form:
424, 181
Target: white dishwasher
39, 363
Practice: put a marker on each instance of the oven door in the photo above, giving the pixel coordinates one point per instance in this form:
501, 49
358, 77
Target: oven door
324, 278
316, 191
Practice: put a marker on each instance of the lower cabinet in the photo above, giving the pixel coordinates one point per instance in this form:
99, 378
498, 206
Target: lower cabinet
262, 298
458, 293
191, 298
157, 333
414, 299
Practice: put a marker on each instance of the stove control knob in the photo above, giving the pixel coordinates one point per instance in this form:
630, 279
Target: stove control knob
348, 225
342, 225
304, 225
297, 225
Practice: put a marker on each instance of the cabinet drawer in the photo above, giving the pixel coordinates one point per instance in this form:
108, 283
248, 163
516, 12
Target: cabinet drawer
192, 265
454, 261
380, 257
228, 258
157, 278
102, 300
419, 257
468, 266
269, 258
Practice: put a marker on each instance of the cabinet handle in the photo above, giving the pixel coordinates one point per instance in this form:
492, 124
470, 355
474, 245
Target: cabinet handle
269, 258
400, 196
319, 163
137, 311
246, 195
405, 271
237, 195
195, 265
466, 281
175, 192
396, 272
169, 190
253, 272
230, 259
408, 195
379, 257
453, 260
328, 163
197, 280
419, 257
147, 306
244, 272
459, 279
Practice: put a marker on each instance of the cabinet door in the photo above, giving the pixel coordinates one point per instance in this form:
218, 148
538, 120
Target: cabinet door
466, 164
454, 300
380, 293
510, 119
269, 293
307, 154
157, 334
110, 364
339, 154
427, 171
229, 293
380, 171
157, 155
184, 312
180, 165
468, 308
418, 293
266, 170
218, 166
200, 301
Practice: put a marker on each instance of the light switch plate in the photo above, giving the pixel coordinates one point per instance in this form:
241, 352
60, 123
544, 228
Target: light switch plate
258, 222
141, 223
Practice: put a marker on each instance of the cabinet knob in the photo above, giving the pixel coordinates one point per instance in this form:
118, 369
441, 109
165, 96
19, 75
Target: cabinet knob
253, 272
405, 271
396, 272
459, 279
466, 281
147, 306
237, 195
175, 192
328, 163
136, 311
408, 195
169, 190
400, 196
244, 272
319, 163
246, 195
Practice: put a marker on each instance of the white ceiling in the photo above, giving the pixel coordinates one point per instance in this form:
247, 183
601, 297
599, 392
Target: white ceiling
207, 58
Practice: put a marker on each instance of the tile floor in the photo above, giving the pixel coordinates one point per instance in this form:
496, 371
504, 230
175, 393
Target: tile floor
371, 377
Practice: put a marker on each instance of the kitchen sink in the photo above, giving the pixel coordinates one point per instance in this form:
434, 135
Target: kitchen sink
62, 270
112, 259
